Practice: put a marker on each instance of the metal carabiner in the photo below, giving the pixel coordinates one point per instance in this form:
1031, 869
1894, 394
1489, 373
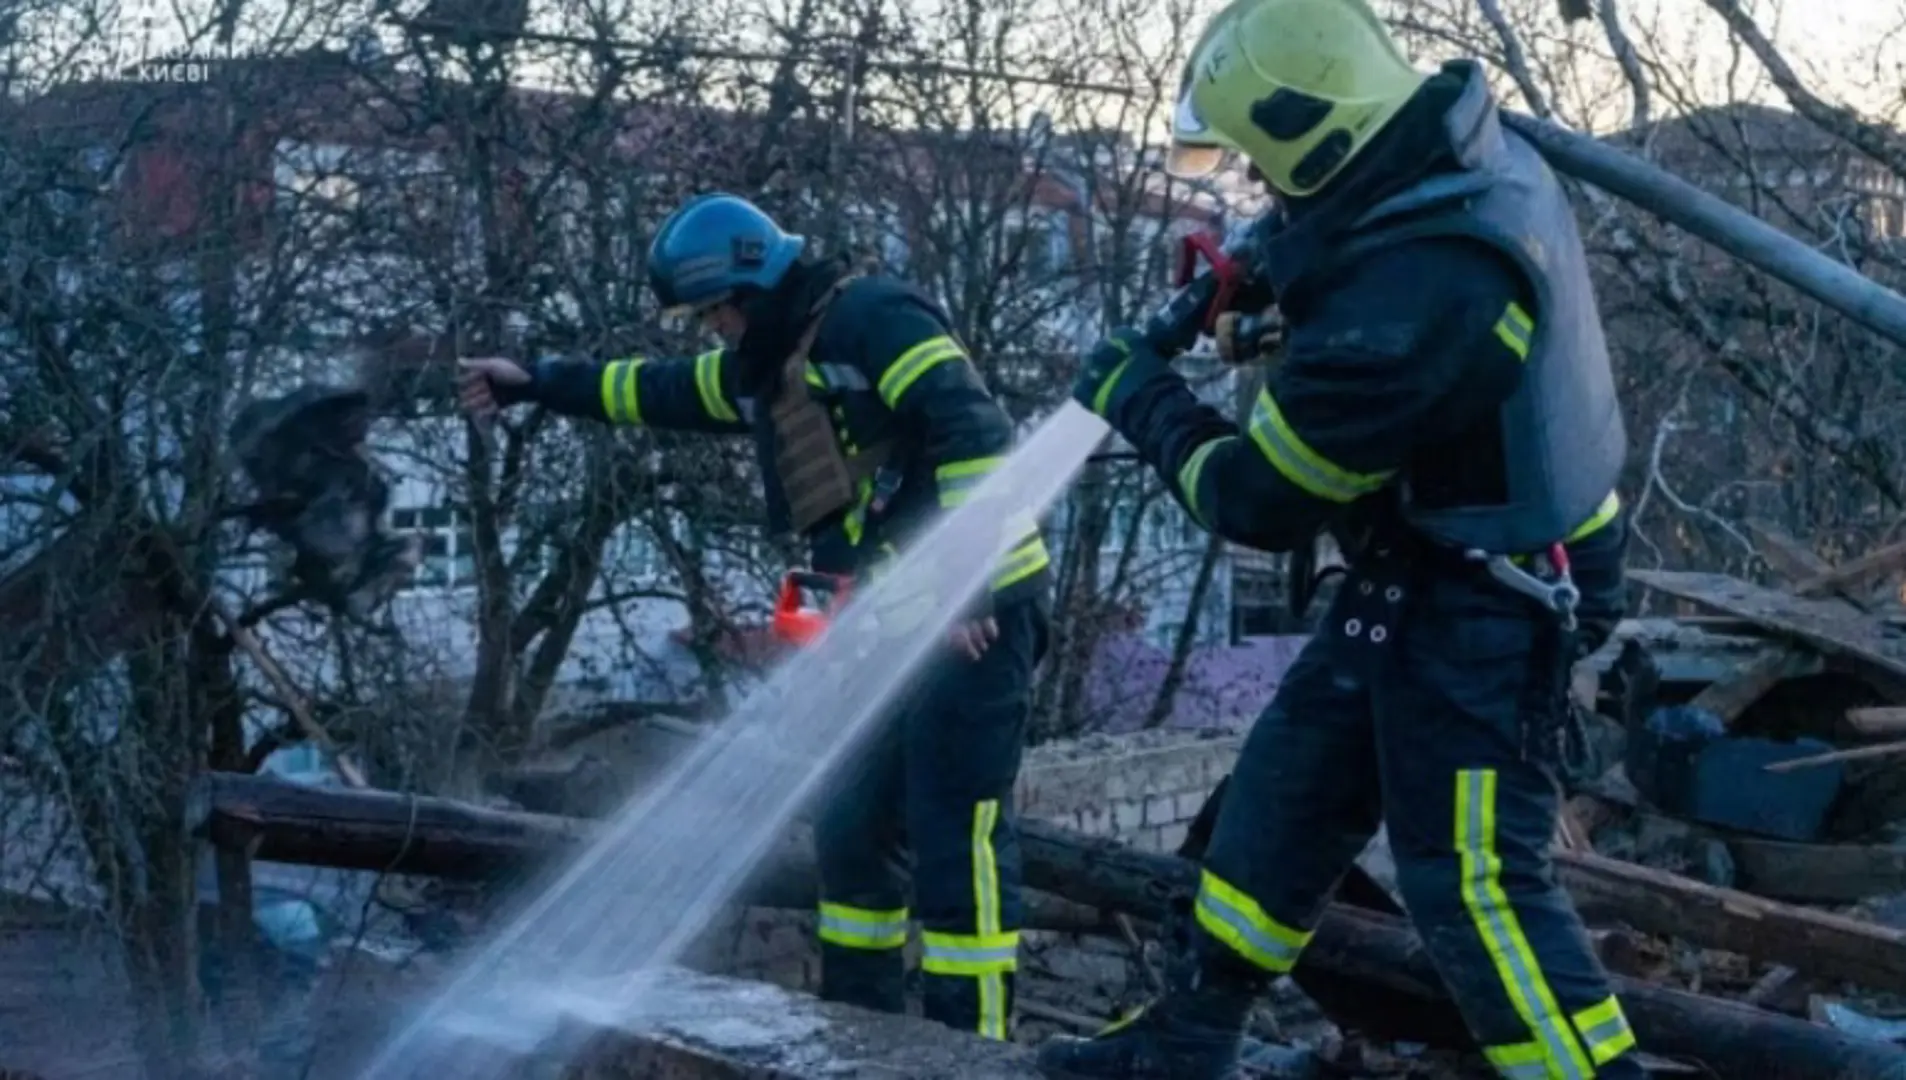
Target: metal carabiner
1559, 596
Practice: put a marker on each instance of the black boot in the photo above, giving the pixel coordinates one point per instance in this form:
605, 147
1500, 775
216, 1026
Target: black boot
1189, 1034
875, 980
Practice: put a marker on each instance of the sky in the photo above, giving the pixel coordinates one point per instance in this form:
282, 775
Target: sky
1835, 45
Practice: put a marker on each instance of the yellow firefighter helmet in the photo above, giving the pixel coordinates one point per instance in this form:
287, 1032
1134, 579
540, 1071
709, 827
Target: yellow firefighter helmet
1299, 87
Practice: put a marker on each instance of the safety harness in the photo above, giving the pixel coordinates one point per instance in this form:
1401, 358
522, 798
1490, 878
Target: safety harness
818, 478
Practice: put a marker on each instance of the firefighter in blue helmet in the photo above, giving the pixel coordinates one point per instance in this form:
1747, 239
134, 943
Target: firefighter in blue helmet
1444, 406
868, 418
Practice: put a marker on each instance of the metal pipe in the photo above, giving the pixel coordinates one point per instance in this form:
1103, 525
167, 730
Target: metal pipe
1734, 231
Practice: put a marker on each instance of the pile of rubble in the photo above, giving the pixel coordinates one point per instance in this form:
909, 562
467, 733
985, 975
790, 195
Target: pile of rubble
1760, 747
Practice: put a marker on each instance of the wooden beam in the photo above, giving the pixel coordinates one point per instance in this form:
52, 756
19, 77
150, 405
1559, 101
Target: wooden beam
1786, 870
1795, 562
1833, 757
1684, 650
1786, 556
1731, 697
1817, 873
1817, 942
1824, 625
1878, 720
1887, 560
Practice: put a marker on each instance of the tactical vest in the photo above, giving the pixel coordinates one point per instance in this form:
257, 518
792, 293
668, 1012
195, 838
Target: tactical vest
818, 478
1564, 442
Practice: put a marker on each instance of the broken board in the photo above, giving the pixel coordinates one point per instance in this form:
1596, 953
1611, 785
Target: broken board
1862, 645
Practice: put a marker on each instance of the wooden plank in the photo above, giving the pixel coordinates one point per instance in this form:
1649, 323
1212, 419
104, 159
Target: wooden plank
1730, 697
1657, 902
1787, 870
1823, 624
1817, 873
1864, 753
1879, 720
1696, 651
1794, 561
1887, 560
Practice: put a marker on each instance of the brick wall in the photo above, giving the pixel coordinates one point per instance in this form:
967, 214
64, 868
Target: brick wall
1143, 790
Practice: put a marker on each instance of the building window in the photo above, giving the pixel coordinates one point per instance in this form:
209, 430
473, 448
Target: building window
449, 546
1038, 244
1888, 217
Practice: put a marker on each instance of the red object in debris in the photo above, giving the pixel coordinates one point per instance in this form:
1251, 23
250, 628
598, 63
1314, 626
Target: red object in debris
808, 599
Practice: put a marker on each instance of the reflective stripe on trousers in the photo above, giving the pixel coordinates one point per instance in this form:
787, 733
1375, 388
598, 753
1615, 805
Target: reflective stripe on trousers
862, 928
1562, 1047
989, 954
1229, 915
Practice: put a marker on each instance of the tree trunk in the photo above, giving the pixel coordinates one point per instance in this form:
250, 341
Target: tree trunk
1080, 611
1174, 678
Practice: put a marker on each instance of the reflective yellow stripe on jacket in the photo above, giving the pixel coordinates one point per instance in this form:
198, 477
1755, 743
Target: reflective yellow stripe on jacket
956, 481
915, 362
708, 384
621, 404
1516, 330
1289, 454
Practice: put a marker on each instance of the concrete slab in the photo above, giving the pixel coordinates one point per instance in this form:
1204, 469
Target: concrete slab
683, 1025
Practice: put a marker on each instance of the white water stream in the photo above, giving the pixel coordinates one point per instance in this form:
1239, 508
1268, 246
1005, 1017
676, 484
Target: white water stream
660, 870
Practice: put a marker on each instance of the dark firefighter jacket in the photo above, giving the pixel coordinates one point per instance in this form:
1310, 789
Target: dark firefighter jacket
1402, 362
887, 367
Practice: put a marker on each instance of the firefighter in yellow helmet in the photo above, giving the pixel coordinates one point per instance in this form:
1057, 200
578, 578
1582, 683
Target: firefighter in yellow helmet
1444, 406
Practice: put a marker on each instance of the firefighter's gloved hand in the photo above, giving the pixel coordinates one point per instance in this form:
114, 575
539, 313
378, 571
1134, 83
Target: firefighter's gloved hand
973, 638
1113, 369
486, 384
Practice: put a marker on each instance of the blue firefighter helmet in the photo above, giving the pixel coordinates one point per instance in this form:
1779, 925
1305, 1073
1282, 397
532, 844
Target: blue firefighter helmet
715, 246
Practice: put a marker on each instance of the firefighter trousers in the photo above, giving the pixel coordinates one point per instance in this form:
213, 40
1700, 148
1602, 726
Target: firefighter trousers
1446, 740
935, 784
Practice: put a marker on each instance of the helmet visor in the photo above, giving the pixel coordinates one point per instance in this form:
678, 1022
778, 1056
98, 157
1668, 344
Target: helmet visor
684, 316
1187, 162
1196, 150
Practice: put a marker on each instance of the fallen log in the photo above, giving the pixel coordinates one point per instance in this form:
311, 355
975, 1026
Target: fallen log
279, 821
383, 831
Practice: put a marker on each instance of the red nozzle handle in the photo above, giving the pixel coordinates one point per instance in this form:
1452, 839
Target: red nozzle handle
1229, 275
